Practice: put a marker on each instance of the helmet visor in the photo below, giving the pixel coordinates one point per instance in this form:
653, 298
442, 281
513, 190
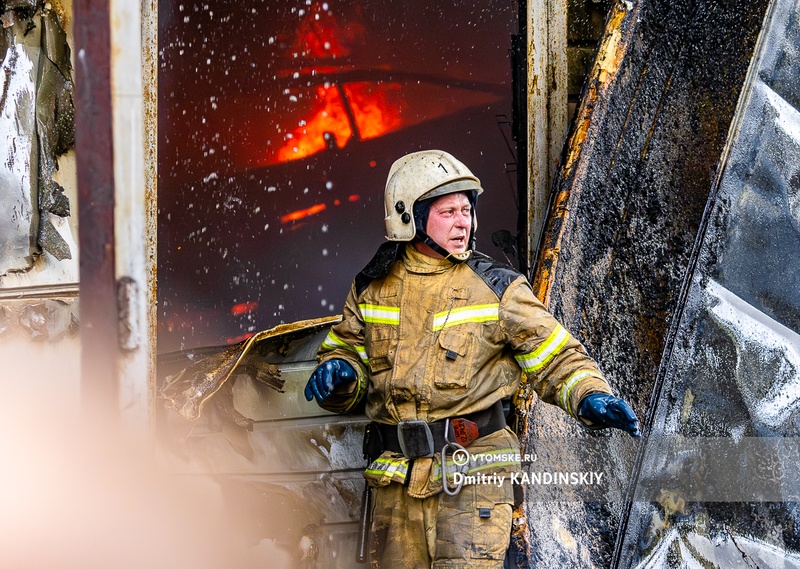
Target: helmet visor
463, 185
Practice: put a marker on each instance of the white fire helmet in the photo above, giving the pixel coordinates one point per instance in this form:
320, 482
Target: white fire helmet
420, 176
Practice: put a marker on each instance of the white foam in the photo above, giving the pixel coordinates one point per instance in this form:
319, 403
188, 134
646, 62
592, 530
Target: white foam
760, 339
788, 119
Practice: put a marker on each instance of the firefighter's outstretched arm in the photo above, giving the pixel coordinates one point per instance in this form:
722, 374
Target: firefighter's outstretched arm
604, 410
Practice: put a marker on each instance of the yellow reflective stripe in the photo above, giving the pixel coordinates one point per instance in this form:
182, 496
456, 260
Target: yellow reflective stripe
566, 389
389, 467
473, 313
541, 356
390, 463
390, 471
333, 342
361, 387
376, 314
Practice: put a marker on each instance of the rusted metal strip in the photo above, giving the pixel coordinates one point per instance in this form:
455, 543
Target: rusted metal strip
40, 291
611, 53
95, 160
150, 93
547, 112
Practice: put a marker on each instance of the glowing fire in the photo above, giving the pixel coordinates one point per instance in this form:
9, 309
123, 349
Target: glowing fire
237, 339
329, 120
301, 213
322, 37
321, 34
376, 108
243, 308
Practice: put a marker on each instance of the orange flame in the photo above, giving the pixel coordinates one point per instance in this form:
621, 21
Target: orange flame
321, 34
237, 339
377, 109
329, 117
243, 308
301, 213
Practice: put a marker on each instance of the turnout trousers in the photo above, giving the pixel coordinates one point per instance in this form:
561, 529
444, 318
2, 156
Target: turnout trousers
466, 531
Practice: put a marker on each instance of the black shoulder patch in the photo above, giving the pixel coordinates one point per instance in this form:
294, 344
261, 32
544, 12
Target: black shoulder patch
496, 275
380, 264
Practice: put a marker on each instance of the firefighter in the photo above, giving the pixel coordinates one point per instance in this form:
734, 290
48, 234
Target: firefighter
434, 337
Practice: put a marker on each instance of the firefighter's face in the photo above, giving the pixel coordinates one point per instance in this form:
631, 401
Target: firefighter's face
449, 222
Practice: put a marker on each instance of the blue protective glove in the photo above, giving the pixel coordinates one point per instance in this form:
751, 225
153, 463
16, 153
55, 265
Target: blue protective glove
605, 410
326, 377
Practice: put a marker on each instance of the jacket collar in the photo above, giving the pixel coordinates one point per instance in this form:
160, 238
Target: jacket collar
416, 262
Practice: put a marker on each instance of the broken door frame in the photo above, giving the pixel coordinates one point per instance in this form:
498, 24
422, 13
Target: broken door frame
118, 182
115, 46
547, 114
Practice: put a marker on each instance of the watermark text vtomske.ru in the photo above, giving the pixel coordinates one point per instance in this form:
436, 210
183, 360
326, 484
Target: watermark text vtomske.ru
539, 477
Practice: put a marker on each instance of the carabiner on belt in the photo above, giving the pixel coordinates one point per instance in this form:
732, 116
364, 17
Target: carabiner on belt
456, 446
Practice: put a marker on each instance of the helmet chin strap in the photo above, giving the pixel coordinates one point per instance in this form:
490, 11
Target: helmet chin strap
452, 257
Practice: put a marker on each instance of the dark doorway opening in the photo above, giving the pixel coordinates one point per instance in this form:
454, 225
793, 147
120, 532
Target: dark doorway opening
278, 122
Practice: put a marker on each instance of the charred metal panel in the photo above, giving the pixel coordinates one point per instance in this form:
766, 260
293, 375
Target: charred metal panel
18, 147
36, 115
627, 204
193, 377
615, 256
291, 469
732, 369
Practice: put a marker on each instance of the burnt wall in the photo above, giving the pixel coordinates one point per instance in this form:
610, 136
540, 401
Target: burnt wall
627, 204
731, 373
637, 202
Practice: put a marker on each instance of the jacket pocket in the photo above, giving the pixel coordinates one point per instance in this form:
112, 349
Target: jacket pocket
380, 348
492, 515
382, 318
453, 368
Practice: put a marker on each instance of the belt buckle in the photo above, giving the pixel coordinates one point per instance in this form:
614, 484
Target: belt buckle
415, 438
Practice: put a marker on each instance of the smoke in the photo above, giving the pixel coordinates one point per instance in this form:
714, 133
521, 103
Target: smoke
75, 493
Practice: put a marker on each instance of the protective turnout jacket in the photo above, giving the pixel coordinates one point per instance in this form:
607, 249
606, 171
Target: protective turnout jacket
432, 339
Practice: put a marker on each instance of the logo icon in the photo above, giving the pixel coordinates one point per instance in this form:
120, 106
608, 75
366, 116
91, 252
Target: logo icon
461, 457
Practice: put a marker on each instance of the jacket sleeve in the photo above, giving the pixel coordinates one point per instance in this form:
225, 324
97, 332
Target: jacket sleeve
345, 341
555, 364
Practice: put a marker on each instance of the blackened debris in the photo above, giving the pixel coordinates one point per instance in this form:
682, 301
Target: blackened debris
55, 117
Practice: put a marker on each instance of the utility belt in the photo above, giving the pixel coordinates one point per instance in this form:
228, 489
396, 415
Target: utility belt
418, 439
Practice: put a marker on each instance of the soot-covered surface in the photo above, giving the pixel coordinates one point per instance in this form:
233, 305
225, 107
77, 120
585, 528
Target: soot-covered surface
629, 199
733, 369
